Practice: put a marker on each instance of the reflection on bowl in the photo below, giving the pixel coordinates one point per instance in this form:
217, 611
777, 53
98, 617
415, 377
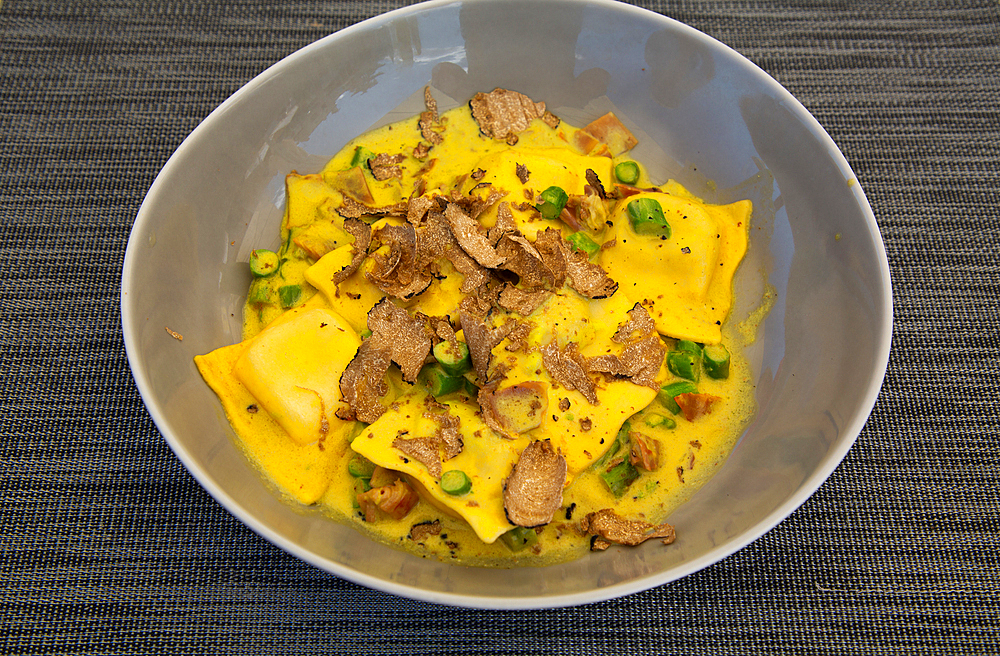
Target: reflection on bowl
705, 116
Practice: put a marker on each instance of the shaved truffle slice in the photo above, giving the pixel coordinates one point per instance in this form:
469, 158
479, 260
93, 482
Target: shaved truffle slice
448, 434
568, 368
640, 361
548, 244
385, 166
398, 273
437, 240
608, 528
595, 182
469, 236
352, 209
502, 114
523, 173
417, 208
363, 383
362, 233
429, 118
423, 530
481, 339
422, 449
402, 336
533, 491
639, 324
520, 301
585, 276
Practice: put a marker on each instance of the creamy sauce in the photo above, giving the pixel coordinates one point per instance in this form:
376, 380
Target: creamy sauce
274, 383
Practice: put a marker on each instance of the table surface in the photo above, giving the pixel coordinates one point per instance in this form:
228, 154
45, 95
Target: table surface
108, 545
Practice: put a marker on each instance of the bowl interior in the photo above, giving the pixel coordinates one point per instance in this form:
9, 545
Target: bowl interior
705, 116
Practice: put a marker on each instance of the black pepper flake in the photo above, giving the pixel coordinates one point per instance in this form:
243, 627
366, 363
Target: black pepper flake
323, 325
685, 250
569, 511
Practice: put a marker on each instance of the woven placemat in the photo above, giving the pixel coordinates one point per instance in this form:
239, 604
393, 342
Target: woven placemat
108, 546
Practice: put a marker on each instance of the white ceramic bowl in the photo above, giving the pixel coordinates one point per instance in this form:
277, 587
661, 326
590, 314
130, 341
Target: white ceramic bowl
706, 116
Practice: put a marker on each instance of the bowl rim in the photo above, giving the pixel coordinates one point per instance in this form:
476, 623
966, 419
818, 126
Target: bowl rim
131, 321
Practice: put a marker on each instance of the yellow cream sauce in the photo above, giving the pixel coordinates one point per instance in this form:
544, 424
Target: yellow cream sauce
287, 367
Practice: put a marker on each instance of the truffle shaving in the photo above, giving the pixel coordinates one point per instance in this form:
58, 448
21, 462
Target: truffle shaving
363, 383
608, 528
422, 449
481, 339
533, 491
640, 361
429, 118
568, 368
595, 182
639, 324
362, 233
440, 241
470, 237
397, 272
352, 209
520, 301
585, 276
385, 166
502, 114
448, 435
423, 530
548, 244
403, 337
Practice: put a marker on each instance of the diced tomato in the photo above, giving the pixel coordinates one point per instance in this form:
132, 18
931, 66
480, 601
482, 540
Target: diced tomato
644, 451
696, 405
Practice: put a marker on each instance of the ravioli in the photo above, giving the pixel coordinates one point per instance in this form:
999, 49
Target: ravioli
430, 238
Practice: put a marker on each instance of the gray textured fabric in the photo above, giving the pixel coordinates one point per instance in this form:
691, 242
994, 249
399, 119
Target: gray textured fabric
108, 546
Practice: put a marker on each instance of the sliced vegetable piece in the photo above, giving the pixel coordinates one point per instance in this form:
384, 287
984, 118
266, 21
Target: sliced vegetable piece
646, 217
360, 467
668, 394
438, 382
553, 201
715, 359
289, 295
627, 172
581, 241
455, 482
683, 364
614, 467
655, 419
263, 262
361, 156
520, 538
260, 293
686, 345
453, 356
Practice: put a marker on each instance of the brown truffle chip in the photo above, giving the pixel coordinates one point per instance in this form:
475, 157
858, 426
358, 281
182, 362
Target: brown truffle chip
639, 324
402, 336
398, 273
468, 233
422, 449
585, 276
548, 244
568, 368
481, 339
523, 173
429, 118
608, 527
385, 166
502, 114
421, 150
595, 182
533, 491
417, 208
362, 233
640, 361
423, 530
448, 435
363, 383
520, 301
